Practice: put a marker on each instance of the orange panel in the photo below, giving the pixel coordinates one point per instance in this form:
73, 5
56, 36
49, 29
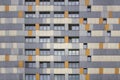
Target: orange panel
107, 27
100, 45
101, 21
37, 26
6, 57
66, 64
87, 2
30, 33
66, 14
81, 20
87, 77
81, 71
37, 76
37, 2
87, 27
66, 39
7, 8
20, 64
100, 70
29, 8
87, 52
20, 14
29, 58
110, 14
116, 70
37, 51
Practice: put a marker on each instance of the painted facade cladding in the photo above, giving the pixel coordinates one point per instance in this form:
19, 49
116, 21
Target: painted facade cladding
59, 40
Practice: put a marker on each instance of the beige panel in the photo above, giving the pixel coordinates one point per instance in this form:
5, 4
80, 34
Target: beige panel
2, 70
62, 46
7, 8
109, 71
2, 8
44, 33
93, 71
12, 8
115, 33
113, 45
44, 58
12, 58
87, 27
101, 70
106, 27
63, 71
93, 20
30, 8
20, 14
112, 21
44, 8
2, 33
2, 57
113, 8
93, 45
96, 8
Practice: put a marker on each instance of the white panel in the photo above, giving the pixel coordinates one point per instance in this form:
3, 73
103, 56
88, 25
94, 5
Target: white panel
115, 33
108, 71
112, 21
96, 8
97, 33
93, 71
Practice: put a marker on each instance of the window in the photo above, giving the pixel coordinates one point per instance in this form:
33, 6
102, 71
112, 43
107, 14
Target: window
59, 14
44, 64
44, 52
59, 2
59, 27
29, 26
30, 14
44, 14
89, 58
89, 33
59, 77
59, 52
73, 14
73, 77
104, 20
73, 64
73, 39
88, 8
73, 26
30, 64
73, 52
44, 27
85, 45
44, 39
59, 39
29, 39
29, 51
108, 33
45, 77
44, 2
30, 77
73, 2
85, 20
85, 70
29, 2
58, 64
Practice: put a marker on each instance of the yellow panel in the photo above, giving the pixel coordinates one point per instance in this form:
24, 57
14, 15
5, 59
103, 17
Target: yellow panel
37, 2
29, 8
66, 14
37, 76
119, 20
20, 64
37, 26
110, 14
107, 27
66, 39
116, 70
87, 52
81, 20
100, 45
119, 45
66, 64
6, 57
87, 2
87, 27
101, 21
30, 33
87, 77
81, 71
29, 58
100, 70
37, 51
6, 8
20, 14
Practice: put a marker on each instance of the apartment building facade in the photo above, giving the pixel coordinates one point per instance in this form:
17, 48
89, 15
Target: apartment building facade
59, 40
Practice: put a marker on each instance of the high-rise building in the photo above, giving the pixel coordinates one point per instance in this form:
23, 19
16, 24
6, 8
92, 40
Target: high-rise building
59, 39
